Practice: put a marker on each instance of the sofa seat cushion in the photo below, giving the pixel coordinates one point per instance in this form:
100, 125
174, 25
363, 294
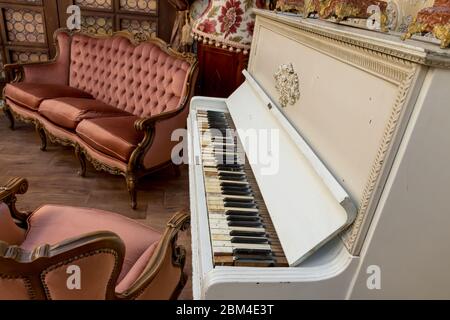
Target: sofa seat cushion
52, 224
114, 136
69, 112
31, 95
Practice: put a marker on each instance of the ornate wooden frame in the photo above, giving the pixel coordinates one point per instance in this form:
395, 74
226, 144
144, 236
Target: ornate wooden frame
135, 166
16, 263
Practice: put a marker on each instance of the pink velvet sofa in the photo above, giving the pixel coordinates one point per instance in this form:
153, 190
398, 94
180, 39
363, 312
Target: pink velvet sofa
117, 258
115, 99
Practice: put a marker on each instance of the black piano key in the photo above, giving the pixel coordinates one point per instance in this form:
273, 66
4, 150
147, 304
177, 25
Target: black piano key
230, 167
237, 252
237, 200
243, 218
237, 233
241, 213
232, 177
246, 224
235, 186
253, 240
237, 204
233, 192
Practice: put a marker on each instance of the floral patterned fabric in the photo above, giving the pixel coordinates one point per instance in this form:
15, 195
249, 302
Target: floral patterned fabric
228, 23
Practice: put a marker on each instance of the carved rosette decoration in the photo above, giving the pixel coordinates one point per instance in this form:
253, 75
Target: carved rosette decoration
287, 85
227, 24
434, 20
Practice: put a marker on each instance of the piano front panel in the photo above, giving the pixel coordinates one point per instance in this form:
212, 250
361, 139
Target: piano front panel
350, 106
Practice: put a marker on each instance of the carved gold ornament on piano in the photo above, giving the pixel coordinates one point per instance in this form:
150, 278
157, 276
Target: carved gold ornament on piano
287, 85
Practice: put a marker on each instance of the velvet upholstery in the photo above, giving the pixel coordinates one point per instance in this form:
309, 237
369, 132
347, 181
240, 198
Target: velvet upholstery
153, 81
115, 136
56, 72
13, 289
31, 95
69, 112
52, 224
96, 270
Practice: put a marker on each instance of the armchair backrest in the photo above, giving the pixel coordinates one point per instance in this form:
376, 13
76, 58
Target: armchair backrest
143, 78
84, 268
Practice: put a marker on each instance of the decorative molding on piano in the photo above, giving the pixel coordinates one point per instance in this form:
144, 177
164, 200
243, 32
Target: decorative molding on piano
379, 63
288, 85
370, 41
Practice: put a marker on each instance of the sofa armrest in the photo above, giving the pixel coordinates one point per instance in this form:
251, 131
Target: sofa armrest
45, 272
157, 266
148, 126
8, 194
145, 123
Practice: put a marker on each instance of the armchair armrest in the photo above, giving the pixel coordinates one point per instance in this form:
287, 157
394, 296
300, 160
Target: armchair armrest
44, 266
179, 222
8, 194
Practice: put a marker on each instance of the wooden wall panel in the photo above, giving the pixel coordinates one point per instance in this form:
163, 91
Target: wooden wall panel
108, 16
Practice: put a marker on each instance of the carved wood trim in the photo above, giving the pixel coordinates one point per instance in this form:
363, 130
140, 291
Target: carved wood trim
8, 194
16, 263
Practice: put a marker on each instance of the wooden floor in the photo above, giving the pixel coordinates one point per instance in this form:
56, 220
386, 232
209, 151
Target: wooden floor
53, 178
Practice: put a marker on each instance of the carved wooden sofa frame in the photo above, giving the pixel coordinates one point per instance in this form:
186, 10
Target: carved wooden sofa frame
16, 263
134, 169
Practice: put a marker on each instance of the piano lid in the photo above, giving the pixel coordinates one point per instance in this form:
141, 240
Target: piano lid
307, 204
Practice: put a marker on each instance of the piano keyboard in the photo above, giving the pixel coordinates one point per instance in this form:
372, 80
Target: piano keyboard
242, 232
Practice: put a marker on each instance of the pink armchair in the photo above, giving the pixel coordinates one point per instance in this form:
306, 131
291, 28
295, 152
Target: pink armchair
67, 253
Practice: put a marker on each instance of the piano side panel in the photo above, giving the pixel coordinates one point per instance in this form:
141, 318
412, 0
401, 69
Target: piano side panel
409, 238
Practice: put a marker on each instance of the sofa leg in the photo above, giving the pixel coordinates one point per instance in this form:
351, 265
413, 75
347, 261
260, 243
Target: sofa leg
176, 170
10, 117
131, 185
82, 159
43, 136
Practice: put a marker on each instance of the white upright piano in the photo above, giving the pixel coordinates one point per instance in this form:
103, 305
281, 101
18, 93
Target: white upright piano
336, 184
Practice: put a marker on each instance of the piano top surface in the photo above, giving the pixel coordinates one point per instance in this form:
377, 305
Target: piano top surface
416, 49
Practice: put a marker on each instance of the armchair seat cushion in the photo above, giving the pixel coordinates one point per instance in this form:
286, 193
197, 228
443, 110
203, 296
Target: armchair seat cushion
52, 224
31, 95
114, 136
69, 112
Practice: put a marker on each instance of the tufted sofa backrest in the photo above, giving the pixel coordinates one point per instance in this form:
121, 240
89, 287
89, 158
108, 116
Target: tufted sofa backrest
143, 80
